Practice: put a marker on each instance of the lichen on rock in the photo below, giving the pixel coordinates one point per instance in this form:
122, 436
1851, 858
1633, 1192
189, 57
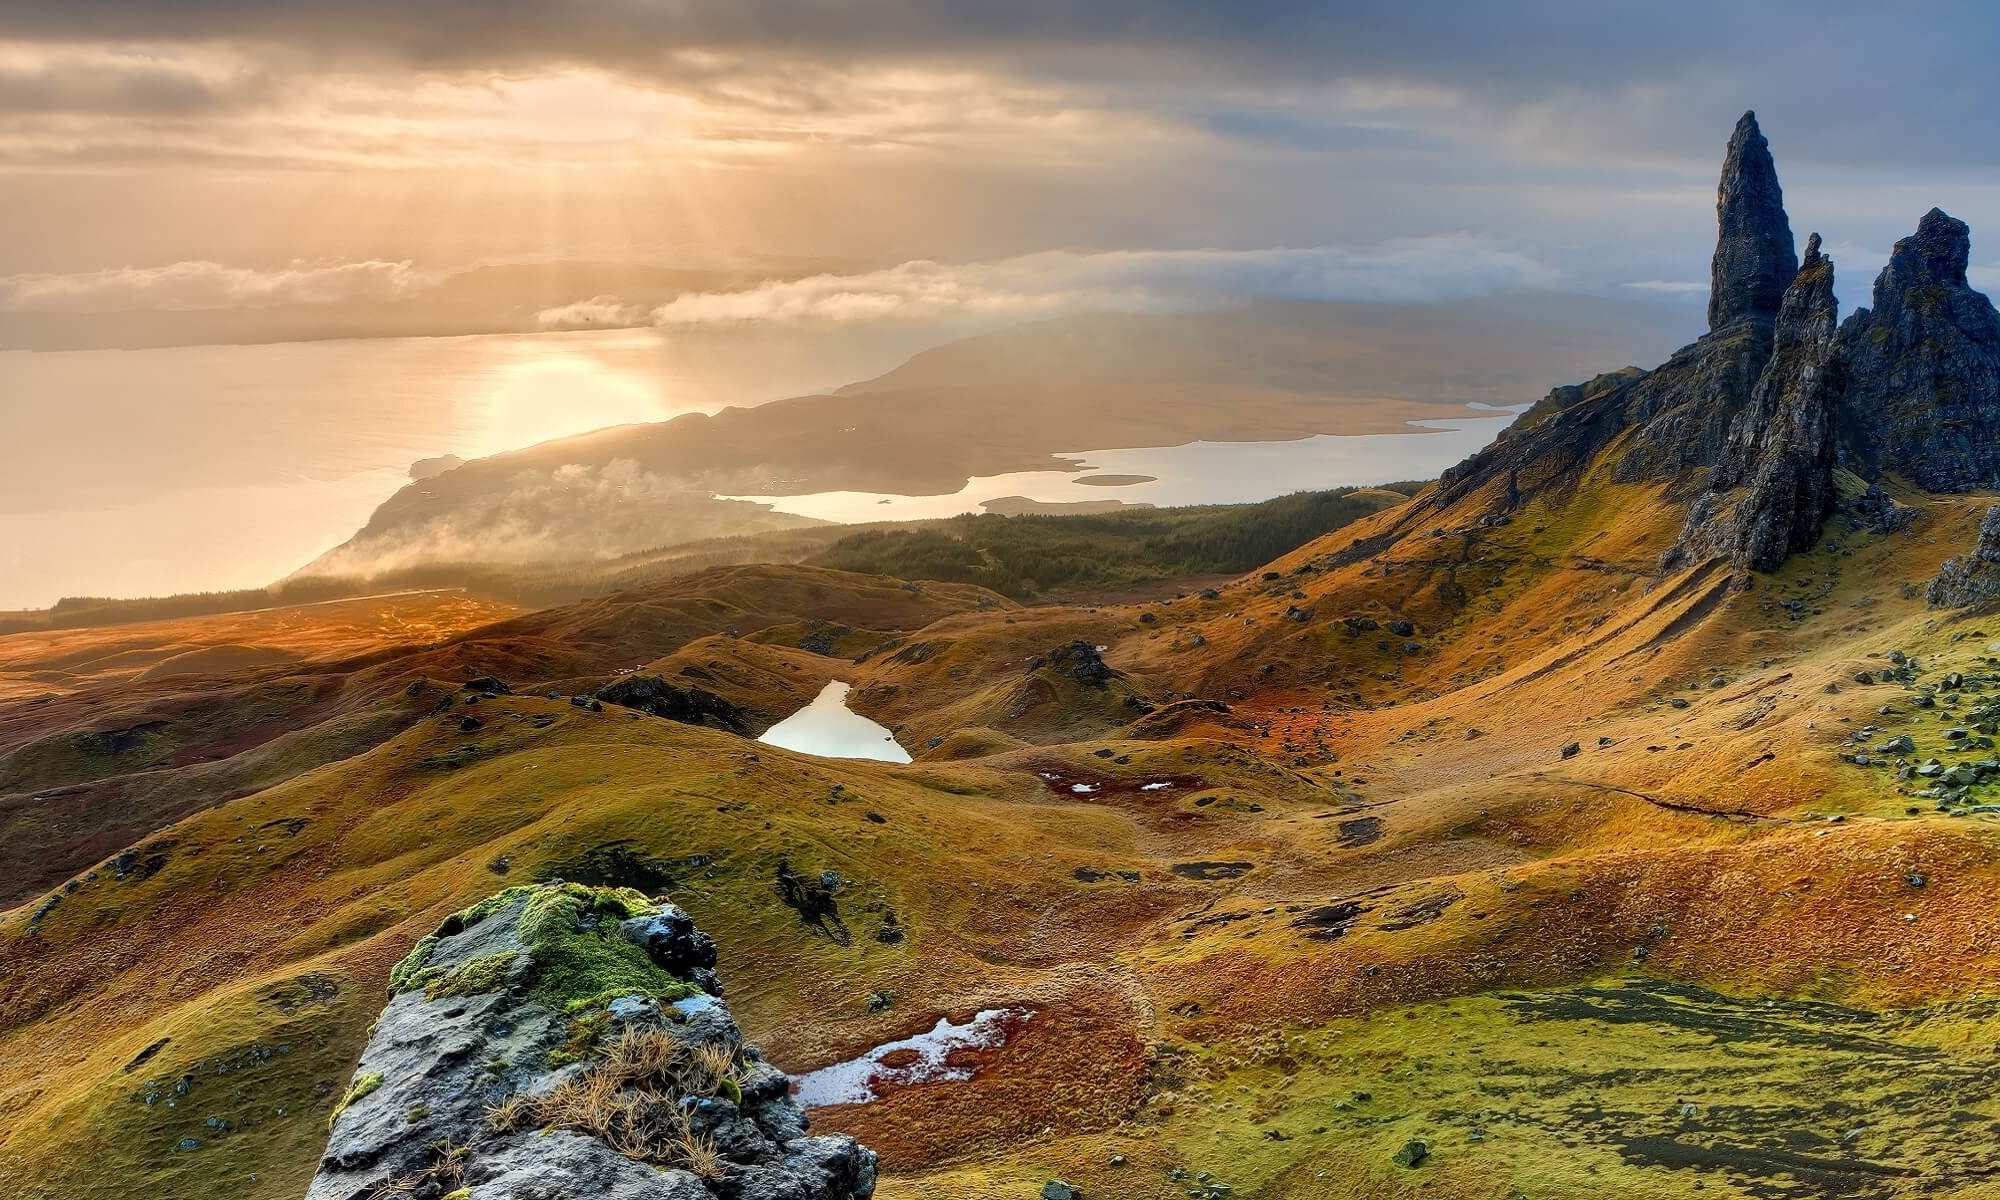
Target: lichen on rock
564, 1040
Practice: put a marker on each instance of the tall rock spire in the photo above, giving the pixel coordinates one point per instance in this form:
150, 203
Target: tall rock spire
1754, 259
1682, 412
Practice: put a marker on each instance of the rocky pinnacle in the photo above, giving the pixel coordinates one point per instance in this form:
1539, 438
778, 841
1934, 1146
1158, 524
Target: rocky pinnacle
1936, 255
1772, 486
1754, 259
1924, 366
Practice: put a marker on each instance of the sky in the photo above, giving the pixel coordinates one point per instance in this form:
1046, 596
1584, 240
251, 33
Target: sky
870, 160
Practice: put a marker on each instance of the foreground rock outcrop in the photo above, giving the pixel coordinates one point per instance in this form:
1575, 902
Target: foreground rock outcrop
561, 1041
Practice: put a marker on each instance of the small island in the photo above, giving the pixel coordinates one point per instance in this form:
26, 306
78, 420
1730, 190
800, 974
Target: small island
1115, 480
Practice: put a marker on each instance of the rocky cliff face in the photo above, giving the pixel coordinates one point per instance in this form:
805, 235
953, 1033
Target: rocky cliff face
1924, 365
1680, 415
562, 1041
1569, 395
1771, 487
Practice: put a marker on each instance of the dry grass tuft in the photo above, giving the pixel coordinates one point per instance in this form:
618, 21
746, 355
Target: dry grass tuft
633, 1098
444, 1175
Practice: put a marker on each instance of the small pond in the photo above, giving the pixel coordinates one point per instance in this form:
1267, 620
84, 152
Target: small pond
829, 729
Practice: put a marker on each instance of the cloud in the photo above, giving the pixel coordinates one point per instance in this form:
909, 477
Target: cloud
210, 285
1403, 270
876, 130
1524, 72
598, 312
104, 82
569, 513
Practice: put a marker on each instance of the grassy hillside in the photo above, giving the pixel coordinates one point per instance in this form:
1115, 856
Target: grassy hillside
1023, 556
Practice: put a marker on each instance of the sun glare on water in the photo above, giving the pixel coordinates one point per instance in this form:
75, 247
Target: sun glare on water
544, 392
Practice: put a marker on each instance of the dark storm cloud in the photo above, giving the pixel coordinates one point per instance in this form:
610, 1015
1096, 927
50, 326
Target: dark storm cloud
1879, 83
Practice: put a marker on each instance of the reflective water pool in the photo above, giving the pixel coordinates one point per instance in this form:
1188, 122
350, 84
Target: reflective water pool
829, 729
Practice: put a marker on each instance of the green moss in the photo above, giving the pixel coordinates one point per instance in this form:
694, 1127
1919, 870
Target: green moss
402, 977
584, 1033
477, 977
581, 971
466, 918
571, 931
418, 1112
580, 961
363, 1085
554, 911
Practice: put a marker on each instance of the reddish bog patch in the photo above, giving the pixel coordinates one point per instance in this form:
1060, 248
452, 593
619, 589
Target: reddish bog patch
948, 1052
1076, 1064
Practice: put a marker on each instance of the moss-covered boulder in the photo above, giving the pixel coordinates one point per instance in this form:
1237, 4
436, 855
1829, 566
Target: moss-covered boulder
559, 1039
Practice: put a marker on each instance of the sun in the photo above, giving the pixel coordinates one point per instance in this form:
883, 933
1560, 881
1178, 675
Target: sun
543, 392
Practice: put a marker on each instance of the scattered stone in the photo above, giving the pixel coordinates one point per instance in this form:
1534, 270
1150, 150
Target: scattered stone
654, 696
1078, 660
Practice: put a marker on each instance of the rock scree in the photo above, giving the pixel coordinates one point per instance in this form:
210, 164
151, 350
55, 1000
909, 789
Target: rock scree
690, 706
561, 1040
